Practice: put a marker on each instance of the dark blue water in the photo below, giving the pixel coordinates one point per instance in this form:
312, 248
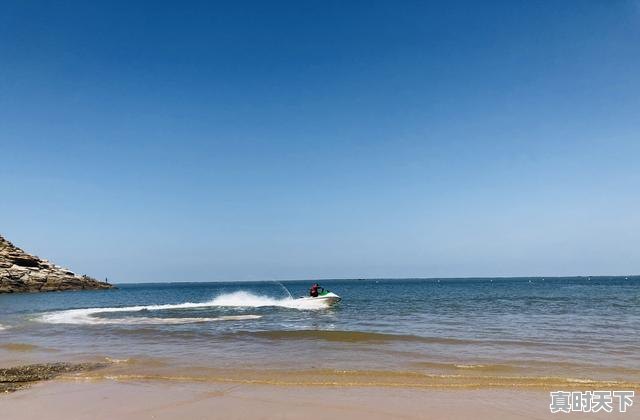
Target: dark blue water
584, 327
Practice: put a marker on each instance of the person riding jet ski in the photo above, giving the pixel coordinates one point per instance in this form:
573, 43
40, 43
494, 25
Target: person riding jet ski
313, 292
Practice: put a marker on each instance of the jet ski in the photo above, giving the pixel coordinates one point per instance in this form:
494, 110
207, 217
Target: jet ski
325, 296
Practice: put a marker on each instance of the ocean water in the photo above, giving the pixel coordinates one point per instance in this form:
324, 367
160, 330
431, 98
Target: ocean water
521, 332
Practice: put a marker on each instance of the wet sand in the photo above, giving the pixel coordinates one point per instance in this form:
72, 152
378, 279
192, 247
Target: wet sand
104, 399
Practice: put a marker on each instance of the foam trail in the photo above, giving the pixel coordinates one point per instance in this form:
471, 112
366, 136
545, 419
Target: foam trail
85, 317
3, 327
238, 299
244, 299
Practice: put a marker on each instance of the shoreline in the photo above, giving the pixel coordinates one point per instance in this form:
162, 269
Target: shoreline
328, 378
64, 399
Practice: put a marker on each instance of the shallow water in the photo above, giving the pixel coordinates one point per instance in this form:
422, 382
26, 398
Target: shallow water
456, 332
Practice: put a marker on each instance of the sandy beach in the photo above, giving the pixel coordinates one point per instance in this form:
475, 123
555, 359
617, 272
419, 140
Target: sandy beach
394, 349
69, 399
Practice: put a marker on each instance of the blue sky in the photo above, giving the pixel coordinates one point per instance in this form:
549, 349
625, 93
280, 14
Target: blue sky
244, 140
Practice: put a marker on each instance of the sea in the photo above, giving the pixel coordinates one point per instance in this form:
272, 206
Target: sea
575, 332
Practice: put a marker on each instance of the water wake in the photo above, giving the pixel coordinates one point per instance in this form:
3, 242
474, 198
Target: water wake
86, 317
244, 299
239, 299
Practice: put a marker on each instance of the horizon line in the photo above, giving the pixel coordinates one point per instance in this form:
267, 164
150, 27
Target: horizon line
626, 276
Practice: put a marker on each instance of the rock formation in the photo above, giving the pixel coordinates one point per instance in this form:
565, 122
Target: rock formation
20, 377
22, 272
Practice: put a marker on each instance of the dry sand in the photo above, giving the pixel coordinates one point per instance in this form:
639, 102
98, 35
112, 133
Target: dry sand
104, 399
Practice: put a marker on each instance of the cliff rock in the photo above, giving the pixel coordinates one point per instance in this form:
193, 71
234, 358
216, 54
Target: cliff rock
23, 272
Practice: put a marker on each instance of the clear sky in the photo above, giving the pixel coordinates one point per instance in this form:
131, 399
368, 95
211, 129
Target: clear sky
242, 140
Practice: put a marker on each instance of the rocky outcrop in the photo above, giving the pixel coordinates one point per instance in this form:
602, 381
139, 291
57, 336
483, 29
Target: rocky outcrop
22, 272
20, 377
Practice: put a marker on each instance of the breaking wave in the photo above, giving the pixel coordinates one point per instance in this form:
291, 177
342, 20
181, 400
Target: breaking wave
237, 299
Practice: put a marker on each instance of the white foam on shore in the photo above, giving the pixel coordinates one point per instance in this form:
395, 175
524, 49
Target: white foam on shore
238, 299
3, 327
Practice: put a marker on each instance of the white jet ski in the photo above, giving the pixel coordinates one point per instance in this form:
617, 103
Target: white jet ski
325, 296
